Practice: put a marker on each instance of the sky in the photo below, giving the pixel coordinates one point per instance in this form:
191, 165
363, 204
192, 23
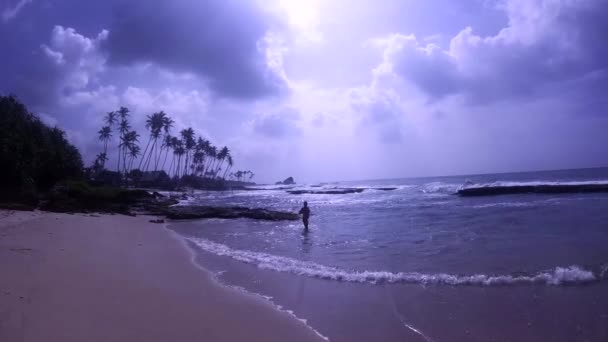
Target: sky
326, 90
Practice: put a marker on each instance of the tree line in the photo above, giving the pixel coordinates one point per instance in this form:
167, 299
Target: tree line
33, 156
183, 154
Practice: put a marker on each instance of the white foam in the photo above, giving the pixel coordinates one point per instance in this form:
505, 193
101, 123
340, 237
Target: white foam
558, 276
280, 308
504, 205
536, 183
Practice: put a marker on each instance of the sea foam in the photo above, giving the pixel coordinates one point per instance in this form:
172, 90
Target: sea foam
557, 276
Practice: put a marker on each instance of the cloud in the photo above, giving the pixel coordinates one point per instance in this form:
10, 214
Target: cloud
223, 42
76, 57
546, 42
282, 124
11, 12
379, 112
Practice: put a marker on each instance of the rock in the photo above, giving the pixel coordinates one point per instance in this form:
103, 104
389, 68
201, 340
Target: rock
158, 221
327, 192
533, 189
287, 181
156, 194
200, 212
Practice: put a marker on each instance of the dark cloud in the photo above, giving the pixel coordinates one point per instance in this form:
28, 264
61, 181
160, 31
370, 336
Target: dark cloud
283, 124
544, 44
221, 41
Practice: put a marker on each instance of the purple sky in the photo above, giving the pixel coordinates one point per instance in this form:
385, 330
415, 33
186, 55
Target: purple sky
327, 90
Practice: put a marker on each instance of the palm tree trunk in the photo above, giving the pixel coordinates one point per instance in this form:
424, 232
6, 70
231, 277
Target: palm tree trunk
118, 160
143, 156
147, 163
171, 166
165, 161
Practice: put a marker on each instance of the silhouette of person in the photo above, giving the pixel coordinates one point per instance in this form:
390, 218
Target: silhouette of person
305, 212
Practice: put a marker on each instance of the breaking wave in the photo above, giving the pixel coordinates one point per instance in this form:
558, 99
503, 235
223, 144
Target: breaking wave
558, 276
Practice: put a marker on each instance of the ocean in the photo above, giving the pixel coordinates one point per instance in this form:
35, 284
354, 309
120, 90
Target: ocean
410, 260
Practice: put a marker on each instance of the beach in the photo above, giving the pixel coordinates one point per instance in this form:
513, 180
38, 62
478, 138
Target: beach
87, 277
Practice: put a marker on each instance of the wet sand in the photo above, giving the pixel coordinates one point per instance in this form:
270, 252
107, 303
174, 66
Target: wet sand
117, 278
354, 312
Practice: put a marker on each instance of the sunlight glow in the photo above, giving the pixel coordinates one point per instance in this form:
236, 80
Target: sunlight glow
304, 17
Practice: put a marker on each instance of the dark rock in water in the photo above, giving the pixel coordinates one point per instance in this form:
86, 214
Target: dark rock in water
156, 194
533, 189
157, 221
200, 212
327, 192
383, 189
287, 181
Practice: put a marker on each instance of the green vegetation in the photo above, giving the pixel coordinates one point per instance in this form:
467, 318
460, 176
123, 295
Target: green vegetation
33, 156
79, 196
185, 158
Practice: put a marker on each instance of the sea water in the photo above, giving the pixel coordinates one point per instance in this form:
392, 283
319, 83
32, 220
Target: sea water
418, 261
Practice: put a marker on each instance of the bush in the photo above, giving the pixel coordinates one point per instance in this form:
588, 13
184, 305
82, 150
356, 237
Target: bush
33, 156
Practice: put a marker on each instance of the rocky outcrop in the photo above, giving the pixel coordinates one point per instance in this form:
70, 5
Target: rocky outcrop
533, 189
327, 192
202, 212
336, 191
287, 181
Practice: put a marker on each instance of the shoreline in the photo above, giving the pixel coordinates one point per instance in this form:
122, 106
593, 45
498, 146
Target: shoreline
112, 277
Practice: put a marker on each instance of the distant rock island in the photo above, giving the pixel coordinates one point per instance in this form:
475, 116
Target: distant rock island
287, 181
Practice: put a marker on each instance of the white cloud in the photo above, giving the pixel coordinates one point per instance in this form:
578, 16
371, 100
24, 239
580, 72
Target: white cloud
77, 58
11, 12
545, 42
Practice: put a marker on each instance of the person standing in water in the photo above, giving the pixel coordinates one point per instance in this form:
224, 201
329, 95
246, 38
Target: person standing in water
305, 212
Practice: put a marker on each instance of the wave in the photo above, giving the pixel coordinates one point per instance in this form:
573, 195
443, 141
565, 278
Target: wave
505, 205
545, 188
538, 183
558, 276
440, 188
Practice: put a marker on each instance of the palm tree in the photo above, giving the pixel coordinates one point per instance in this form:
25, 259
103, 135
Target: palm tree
167, 145
155, 124
212, 154
199, 156
110, 119
221, 156
105, 134
128, 144
100, 160
230, 163
123, 129
189, 144
179, 151
134, 152
167, 123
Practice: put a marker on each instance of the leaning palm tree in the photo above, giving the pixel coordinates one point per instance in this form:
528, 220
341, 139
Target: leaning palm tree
189, 144
105, 134
110, 119
230, 163
167, 123
221, 156
134, 152
123, 129
212, 154
154, 123
129, 141
167, 146
179, 151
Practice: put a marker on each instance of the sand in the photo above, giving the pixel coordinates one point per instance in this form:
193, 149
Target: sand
118, 278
